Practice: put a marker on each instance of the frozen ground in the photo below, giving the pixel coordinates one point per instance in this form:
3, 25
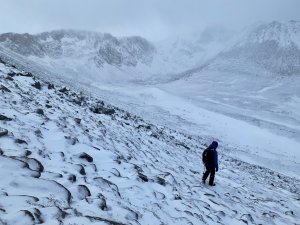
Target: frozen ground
68, 158
264, 131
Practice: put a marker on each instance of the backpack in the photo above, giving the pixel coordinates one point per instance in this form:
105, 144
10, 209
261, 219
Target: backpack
207, 156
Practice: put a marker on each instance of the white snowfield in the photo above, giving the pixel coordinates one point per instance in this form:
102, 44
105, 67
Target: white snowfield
69, 158
241, 138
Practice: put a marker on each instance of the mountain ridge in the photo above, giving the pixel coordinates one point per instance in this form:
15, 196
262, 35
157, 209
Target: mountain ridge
272, 48
265, 48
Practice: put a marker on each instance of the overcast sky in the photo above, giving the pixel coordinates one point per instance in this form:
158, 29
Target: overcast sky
153, 19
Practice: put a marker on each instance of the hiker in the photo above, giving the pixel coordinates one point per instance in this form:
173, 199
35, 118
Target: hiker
210, 160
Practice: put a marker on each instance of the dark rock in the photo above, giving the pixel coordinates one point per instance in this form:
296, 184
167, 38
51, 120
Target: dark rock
77, 120
115, 172
9, 78
3, 132
182, 145
37, 85
177, 197
50, 86
72, 140
38, 215
102, 203
72, 178
28, 214
94, 167
79, 100
38, 133
28, 153
20, 141
103, 110
80, 169
147, 127
5, 118
143, 177
40, 112
64, 90
26, 74
86, 156
1, 61
154, 135
11, 74
291, 213
4, 89
48, 106
161, 181
108, 221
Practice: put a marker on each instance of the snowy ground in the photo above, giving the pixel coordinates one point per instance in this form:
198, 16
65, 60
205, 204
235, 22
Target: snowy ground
67, 158
259, 137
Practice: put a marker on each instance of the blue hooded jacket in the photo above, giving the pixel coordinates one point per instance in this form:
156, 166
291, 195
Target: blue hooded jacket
213, 164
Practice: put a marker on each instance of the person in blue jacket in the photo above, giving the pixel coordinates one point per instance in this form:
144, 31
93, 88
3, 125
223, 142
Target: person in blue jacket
210, 160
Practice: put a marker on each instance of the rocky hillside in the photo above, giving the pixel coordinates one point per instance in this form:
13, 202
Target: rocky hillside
107, 58
80, 52
69, 158
102, 48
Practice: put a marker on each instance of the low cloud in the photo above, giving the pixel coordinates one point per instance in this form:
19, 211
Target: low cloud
153, 19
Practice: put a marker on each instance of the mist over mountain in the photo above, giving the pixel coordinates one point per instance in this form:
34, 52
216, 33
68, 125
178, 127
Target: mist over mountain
273, 47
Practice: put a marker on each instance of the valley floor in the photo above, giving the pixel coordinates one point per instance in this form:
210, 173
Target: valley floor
244, 134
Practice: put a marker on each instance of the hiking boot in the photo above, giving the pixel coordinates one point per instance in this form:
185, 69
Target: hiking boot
212, 184
203, 181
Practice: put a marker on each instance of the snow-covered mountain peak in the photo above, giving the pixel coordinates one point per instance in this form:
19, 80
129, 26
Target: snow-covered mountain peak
272, 48
284, 34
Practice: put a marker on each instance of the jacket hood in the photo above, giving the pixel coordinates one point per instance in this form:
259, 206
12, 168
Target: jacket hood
213, 145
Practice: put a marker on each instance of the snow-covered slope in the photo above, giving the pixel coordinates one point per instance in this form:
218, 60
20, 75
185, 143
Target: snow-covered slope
70, 158
266, 48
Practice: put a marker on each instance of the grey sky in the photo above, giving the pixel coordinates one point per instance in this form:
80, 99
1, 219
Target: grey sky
153, 19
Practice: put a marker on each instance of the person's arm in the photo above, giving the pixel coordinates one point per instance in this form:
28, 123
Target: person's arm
203, 155
216, 161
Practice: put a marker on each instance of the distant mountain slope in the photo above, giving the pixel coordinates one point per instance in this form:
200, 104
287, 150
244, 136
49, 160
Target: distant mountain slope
81, 52
91, 55
266, 48
274, 47
103, 48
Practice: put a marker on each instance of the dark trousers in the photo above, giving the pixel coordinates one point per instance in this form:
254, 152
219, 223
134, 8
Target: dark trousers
212, 175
